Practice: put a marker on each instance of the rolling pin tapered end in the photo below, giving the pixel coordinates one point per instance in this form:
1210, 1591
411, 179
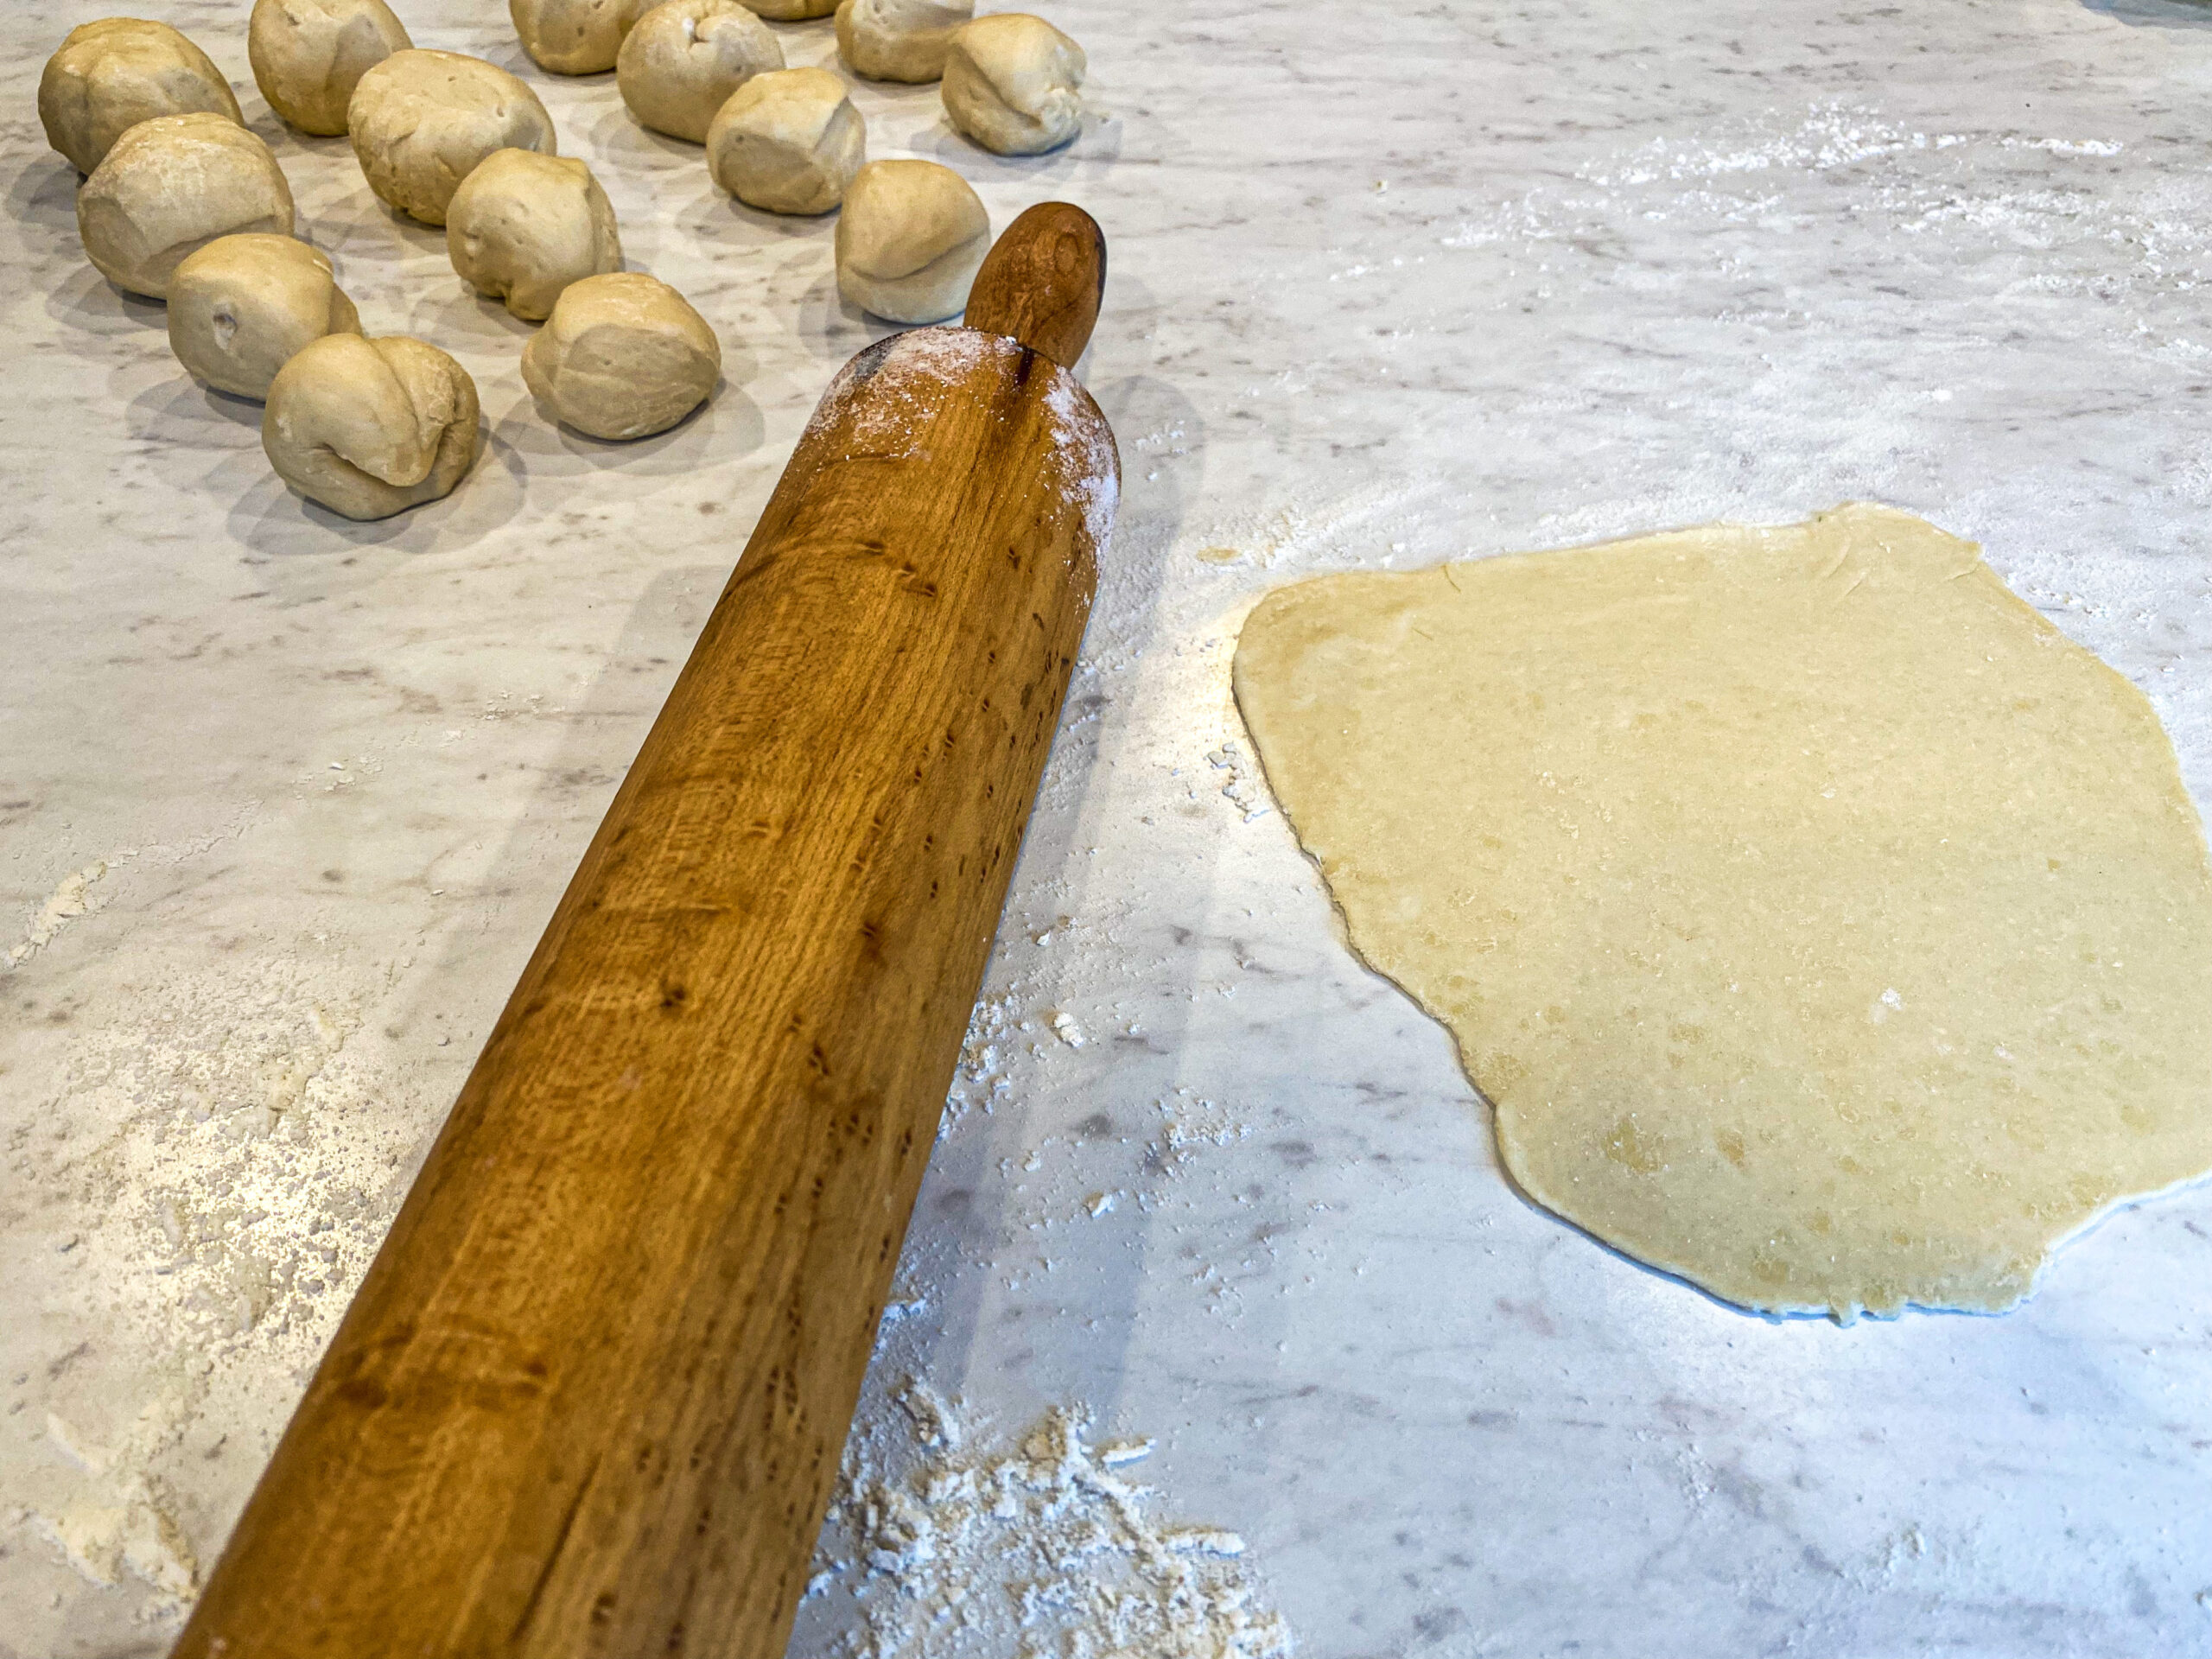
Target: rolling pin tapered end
1042, 282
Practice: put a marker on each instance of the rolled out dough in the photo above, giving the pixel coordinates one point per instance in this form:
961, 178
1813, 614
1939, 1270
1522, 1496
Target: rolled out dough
1823, 925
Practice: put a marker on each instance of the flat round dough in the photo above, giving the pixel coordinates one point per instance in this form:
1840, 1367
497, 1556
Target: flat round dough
1824, 926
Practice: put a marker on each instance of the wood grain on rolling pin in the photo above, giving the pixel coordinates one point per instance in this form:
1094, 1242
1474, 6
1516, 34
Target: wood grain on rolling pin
591, 1397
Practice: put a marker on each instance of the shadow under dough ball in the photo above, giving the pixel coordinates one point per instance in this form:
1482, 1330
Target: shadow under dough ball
172, 185
422, 120
244, 306
910, 241
685, 58
523, 227
107, 77
575, 37
898, 40
1014, 83
309, 55
789, 141
623, 356
368, 427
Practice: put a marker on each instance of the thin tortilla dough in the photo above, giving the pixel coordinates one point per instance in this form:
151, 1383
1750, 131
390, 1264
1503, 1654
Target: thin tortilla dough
1823, 925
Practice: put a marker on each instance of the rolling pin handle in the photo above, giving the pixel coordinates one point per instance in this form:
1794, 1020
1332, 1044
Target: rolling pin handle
1042, 281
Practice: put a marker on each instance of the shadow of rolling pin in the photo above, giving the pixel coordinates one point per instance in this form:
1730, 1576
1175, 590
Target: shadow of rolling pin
591, 1396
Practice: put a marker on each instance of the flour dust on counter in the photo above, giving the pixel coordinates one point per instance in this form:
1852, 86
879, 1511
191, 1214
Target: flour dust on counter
945, 1543
224, 1160
1824, 926
77, 894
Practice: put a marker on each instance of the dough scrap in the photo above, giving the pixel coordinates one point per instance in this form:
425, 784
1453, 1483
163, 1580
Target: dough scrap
1014, 83
685, 58
788, 142
1824, 926
243, 306
623, 356
898, 40
309, 55
523, 227
369, 428
172, 185
910, 241
108, 76
422, 120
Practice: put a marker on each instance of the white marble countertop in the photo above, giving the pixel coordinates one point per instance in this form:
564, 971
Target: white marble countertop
285, 801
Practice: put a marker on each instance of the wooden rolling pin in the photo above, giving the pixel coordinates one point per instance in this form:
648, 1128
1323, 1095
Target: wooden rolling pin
592, 1394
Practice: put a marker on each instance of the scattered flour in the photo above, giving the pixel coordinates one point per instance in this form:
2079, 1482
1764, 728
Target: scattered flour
238, 1160
1090, 464
1036, 1552
981, 1078
247, 1188
1247, 794
77, 895
1964, 197
905, 375
1188, 1123
122, 1519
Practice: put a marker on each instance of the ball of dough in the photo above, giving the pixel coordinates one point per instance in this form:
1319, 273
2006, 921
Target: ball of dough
575, 37
308, 55
910, 241
422, 120
242, 306
792, 11
109, 76
898, 40
788, 141
370, 428
1011, 83
523, 227
174, 184
684, 58
622, 356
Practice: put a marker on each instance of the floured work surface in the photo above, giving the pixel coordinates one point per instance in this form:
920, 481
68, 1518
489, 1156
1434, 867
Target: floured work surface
1823, 925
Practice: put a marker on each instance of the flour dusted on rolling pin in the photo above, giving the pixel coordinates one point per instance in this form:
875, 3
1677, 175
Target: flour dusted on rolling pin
1097, 483
886, 402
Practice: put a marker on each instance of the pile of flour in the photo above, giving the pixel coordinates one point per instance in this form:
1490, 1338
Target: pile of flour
1042, 1550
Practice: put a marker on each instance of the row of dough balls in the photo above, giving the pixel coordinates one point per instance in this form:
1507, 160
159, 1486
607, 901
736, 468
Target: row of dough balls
192, 208
454, 141
371, 427
1012, 82
787, 140
790, 141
